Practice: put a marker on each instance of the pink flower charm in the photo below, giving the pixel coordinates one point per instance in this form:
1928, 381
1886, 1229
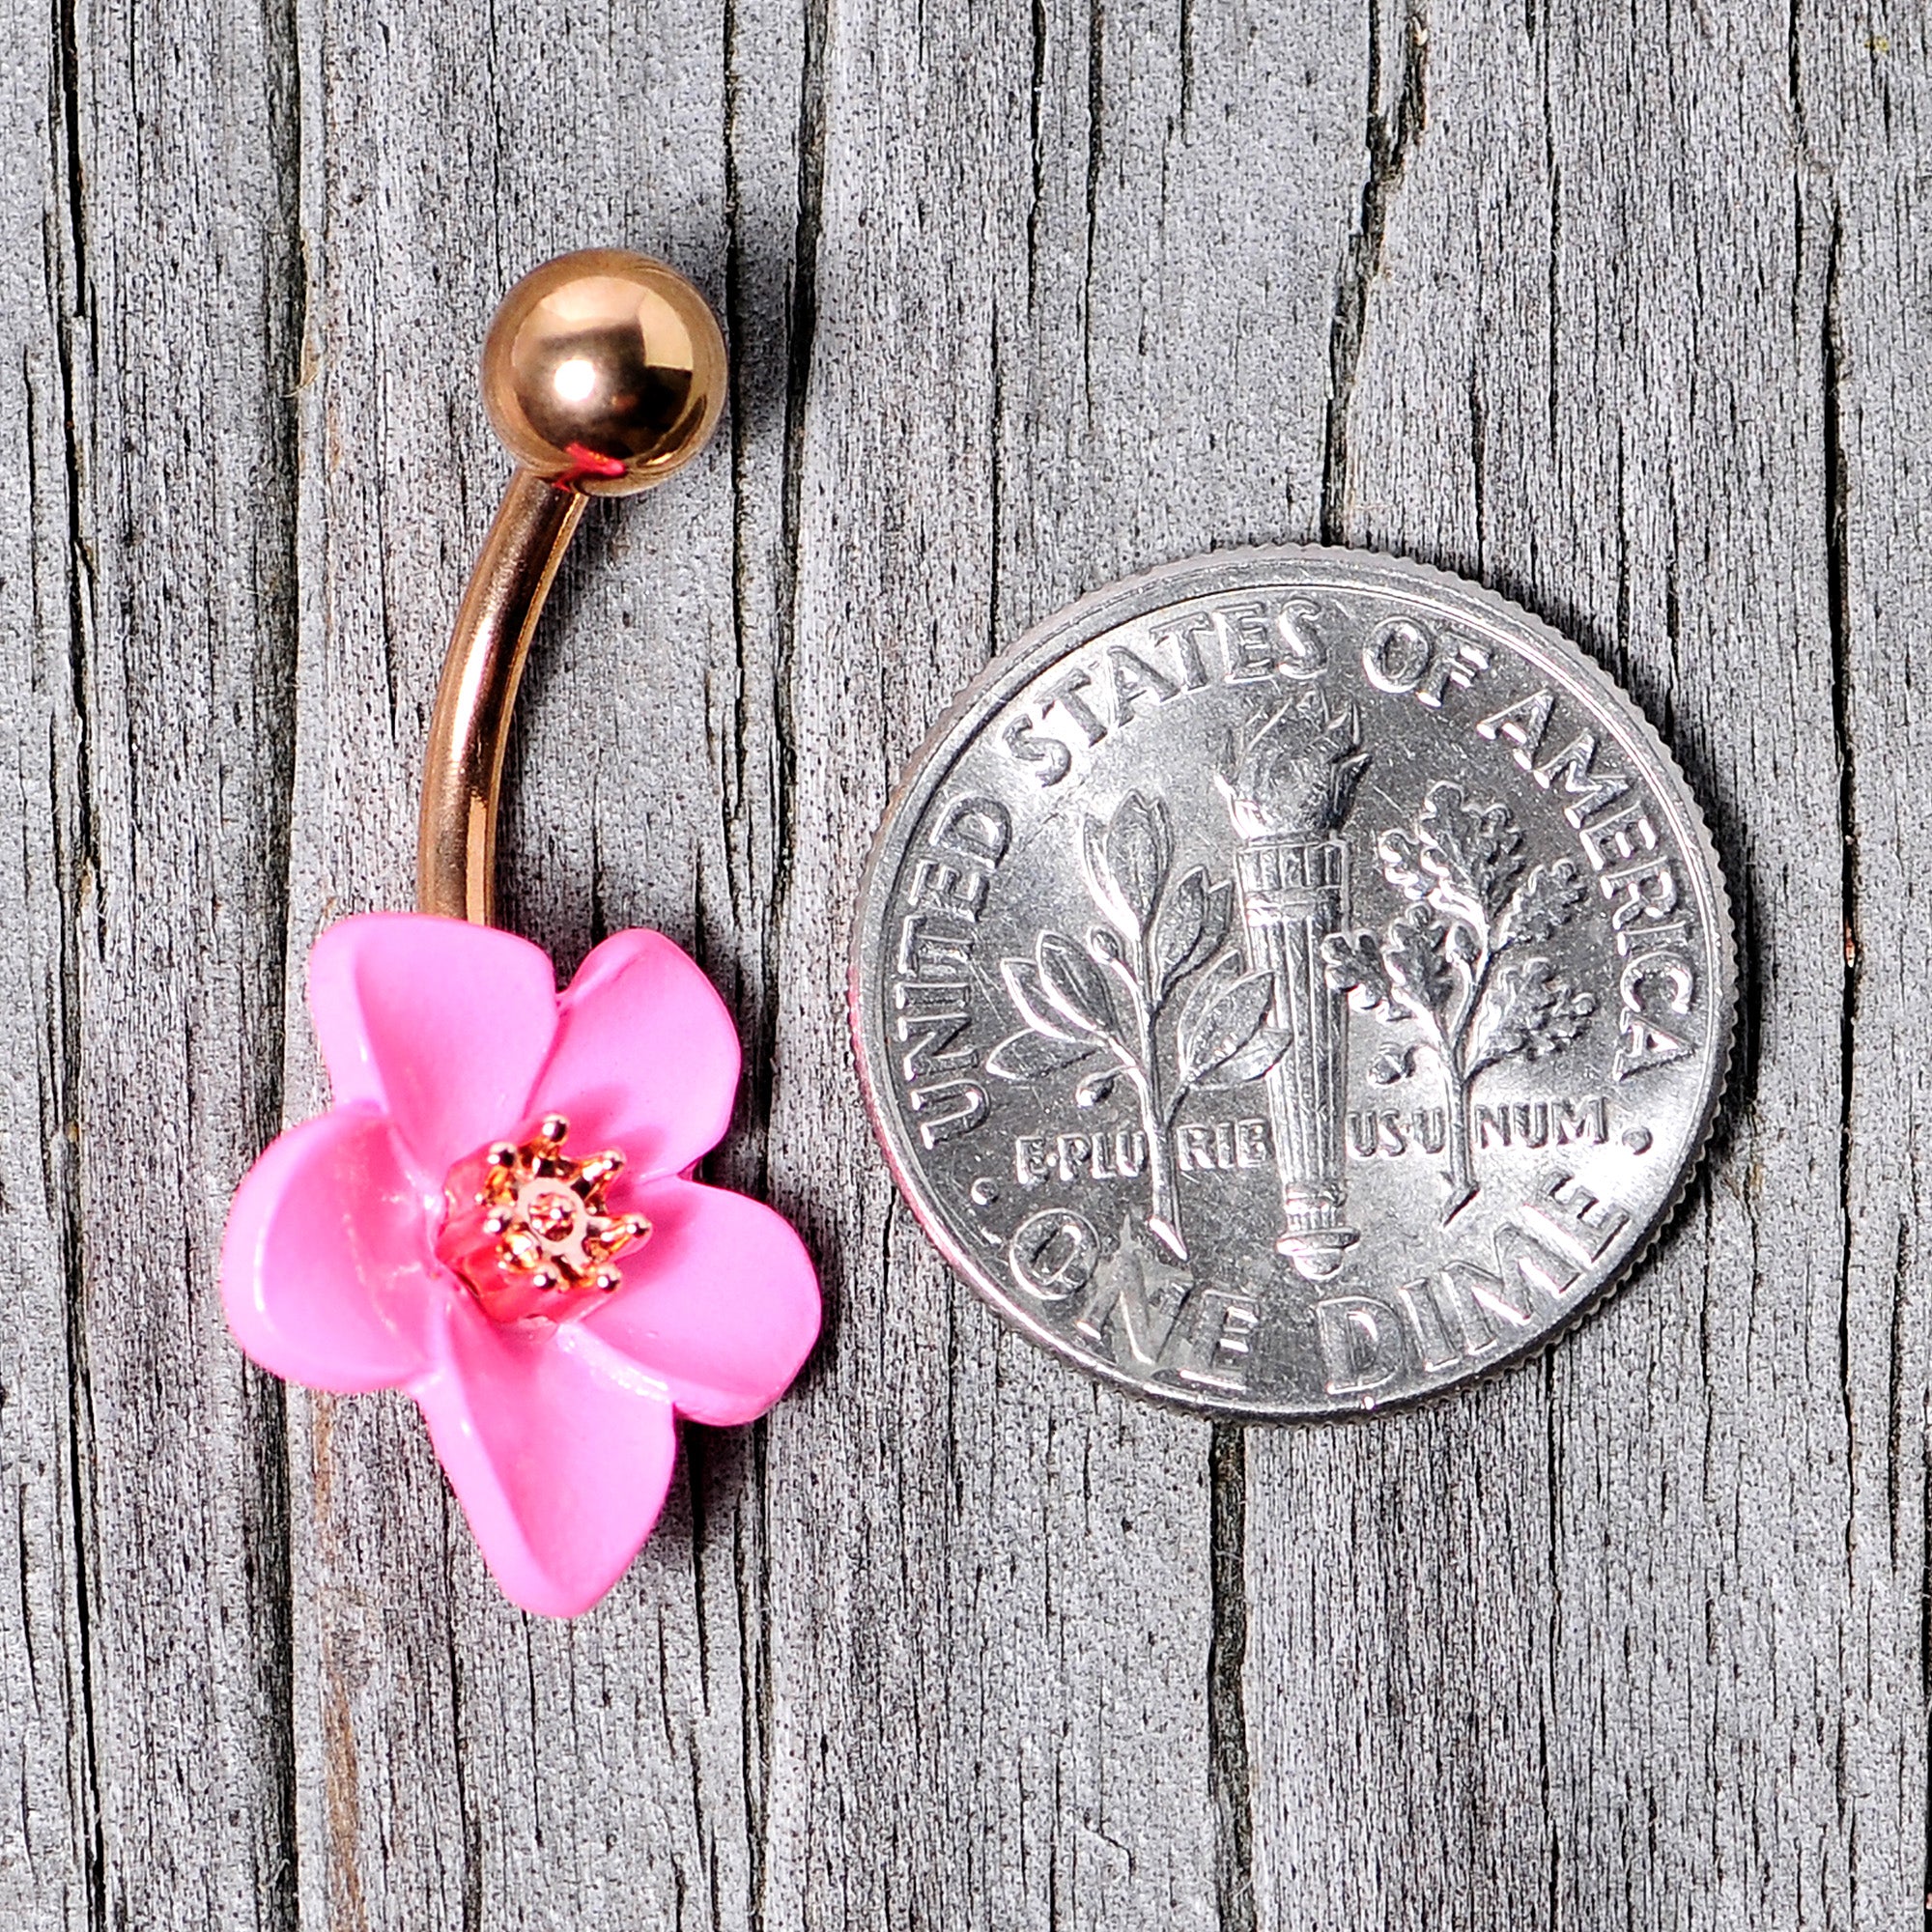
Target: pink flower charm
550, 1310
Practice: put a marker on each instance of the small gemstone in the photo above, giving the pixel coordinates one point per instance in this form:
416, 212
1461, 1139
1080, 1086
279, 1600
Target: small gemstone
529, 1228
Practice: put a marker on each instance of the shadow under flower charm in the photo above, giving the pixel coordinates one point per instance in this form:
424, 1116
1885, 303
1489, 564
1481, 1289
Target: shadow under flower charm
551, 1313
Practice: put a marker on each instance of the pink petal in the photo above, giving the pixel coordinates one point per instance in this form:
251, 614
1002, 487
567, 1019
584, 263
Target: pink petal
646, 1056
440, 1025
326, 1268
559, 1451
720, 1302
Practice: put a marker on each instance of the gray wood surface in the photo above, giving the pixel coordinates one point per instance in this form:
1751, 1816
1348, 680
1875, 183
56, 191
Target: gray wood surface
1624, 311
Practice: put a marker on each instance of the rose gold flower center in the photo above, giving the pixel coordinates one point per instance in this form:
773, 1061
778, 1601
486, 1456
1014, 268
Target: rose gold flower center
528, 1226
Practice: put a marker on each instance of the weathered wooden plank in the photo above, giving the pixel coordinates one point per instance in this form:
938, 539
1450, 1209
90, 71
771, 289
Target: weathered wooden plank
1168, 378
395, 241
462, 1762
1862, 99
151, 665
1025, 379
47, 1766
1605, 1639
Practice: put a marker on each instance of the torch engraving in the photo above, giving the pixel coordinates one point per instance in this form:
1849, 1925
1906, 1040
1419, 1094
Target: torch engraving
1289, 790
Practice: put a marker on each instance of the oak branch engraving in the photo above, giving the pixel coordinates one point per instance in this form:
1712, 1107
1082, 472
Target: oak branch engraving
1456, 959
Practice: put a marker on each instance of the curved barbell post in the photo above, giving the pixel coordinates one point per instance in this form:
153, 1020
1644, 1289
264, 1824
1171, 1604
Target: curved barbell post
603, 373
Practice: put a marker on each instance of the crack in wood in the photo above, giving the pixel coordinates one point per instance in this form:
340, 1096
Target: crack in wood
1229, 1768
1390, 138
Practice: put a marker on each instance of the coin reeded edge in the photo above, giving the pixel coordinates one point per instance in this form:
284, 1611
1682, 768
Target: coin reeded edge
1076, 625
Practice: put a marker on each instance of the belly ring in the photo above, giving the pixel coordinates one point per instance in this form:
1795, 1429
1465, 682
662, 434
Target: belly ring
498, 1212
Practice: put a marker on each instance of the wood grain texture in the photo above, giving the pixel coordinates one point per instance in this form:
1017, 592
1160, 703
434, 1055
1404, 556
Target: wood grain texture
1611, 1601
153, 683
1620, 311
47, 1794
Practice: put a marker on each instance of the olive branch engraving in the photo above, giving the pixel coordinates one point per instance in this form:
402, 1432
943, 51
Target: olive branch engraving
1455, 958
1163, 950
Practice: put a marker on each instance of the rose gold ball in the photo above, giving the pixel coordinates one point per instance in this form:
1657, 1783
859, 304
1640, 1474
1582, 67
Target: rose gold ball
605, 371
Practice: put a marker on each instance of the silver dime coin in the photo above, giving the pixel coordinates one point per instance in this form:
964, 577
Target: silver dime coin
1292, 982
